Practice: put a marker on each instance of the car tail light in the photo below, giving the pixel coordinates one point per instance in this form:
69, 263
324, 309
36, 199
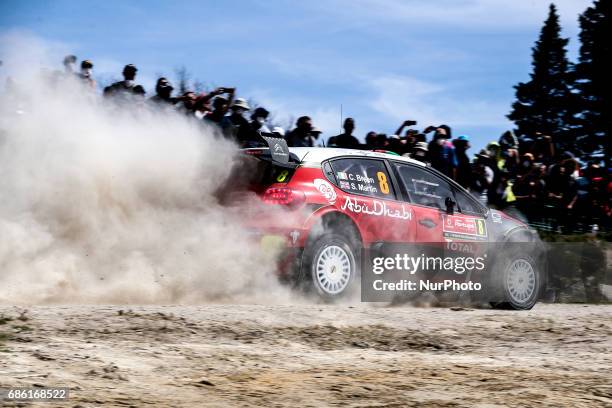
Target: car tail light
284, 196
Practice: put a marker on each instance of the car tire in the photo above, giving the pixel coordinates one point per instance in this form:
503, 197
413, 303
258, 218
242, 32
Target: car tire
330, 266
519, 282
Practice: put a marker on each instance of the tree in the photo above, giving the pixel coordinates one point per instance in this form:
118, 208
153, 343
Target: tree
592, 79
544, 103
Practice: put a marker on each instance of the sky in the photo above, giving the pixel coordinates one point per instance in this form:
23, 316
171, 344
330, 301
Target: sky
378, 61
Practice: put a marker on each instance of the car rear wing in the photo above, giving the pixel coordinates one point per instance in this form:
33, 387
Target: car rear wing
277, 152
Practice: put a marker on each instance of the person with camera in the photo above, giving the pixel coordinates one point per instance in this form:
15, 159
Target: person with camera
220, 104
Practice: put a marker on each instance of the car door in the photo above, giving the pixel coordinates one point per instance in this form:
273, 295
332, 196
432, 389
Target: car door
427, 193
370, 198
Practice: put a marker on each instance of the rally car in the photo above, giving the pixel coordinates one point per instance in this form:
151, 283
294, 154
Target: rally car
331, 203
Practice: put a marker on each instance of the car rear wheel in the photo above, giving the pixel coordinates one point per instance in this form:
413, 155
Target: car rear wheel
330, 265
520, 283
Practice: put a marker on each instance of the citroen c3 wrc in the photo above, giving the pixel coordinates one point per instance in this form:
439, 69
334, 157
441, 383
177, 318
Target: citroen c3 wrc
332, 203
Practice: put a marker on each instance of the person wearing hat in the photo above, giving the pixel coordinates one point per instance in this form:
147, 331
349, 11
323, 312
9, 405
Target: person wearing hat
123, 89
235, 124
86, 74
464, 168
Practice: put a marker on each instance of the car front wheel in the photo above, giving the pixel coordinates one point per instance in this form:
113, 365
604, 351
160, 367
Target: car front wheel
520, 283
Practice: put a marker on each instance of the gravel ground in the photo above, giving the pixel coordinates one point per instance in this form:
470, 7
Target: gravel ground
311, 355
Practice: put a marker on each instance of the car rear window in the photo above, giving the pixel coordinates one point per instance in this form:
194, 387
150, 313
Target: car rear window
363, 176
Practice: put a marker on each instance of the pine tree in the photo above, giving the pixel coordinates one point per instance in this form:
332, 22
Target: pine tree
592, 79
544, 103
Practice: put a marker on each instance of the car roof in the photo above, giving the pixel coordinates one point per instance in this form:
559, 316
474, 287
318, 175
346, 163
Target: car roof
320, 154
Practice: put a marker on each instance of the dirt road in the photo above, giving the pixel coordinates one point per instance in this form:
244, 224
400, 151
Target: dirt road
311, 355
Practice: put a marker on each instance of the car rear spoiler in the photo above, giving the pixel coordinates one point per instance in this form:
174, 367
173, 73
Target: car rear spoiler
277, 152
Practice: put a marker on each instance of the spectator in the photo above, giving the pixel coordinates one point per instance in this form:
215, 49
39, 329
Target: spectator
187, 103
527, 164
236, 125
86, 74
371, 141
394, 144
381, 141
345, 140
220, 108
69, 64
442, 153
508, 141
464, 167
483, 176
251, 135
300, 136
123, 90
419, 152
163, 93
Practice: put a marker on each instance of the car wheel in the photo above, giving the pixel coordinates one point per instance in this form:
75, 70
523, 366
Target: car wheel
520, 283
331, 265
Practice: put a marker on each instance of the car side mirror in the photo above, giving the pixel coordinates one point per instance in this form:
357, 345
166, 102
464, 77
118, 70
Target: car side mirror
450, 205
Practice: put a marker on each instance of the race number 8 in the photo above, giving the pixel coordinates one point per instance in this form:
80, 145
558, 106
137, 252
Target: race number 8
480, 224
382, 182
282, 176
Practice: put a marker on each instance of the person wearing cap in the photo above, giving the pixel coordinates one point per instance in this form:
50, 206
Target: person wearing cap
163, 94
235, 124
123, 89
345, 140
464, 167
86, 74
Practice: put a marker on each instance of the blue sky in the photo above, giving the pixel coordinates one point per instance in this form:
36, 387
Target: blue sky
444, 61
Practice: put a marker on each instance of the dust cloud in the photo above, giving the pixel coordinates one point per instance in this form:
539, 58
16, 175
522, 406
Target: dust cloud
100, 204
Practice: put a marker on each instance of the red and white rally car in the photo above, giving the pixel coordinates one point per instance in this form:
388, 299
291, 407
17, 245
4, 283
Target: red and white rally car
335, 202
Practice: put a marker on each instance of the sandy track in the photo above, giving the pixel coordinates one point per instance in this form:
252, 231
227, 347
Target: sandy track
253, 355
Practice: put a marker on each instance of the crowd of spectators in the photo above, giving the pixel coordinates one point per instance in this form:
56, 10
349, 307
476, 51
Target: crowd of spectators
531, 176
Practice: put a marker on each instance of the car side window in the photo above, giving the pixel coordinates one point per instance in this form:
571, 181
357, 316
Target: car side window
424, 187
466, 203
363, 176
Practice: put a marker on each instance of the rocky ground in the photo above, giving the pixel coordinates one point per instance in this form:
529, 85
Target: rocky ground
310, 355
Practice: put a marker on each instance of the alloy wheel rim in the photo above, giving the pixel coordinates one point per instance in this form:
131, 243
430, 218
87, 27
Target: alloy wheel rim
333, 269
521, 280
